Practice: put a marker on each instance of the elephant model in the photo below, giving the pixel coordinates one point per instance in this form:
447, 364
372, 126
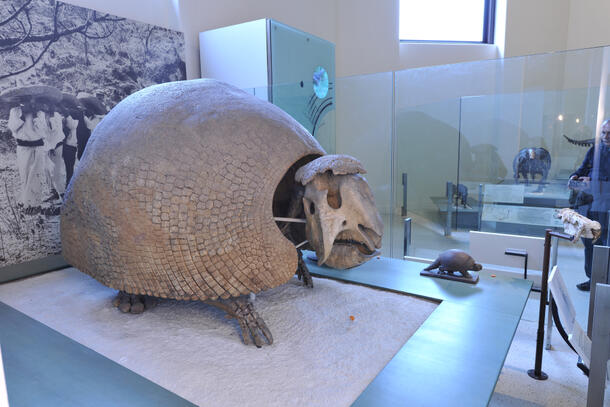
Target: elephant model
531, 161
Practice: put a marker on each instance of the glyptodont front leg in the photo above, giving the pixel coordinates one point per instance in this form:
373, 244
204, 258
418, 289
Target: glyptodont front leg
251, 324
303, 271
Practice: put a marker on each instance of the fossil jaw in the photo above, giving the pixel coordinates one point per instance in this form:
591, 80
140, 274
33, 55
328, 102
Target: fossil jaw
343, 224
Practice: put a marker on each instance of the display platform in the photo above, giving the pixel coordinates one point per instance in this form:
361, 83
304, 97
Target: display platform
455, 357
467, 335
462, 217
191, 349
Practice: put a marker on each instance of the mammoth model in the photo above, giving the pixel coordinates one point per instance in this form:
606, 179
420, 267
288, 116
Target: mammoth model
186, 190
530, 162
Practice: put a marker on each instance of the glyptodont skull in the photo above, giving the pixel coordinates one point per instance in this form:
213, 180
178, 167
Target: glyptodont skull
343, 224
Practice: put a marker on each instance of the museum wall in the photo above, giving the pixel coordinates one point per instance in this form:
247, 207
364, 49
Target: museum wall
360, 30
158, 12
588, 24
192, 16
353, 25
534, 27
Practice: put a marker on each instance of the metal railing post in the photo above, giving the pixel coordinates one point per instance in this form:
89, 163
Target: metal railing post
480, 209
403, 210
407, 237
448, 220
608, 231
536, 372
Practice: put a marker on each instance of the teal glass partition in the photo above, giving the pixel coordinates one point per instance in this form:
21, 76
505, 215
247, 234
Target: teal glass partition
311, 100
365, 131
441, 143
425, 161
316, 114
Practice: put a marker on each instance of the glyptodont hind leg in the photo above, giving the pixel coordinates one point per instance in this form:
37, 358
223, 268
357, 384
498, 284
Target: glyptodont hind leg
252, 326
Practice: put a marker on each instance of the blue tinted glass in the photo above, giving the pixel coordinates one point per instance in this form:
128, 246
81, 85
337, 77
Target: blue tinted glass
320, 82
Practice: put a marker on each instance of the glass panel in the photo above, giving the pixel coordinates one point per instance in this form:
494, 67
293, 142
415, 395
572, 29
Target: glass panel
514, 149
464, 137
364, 131
316, 114
303, 76
426, 157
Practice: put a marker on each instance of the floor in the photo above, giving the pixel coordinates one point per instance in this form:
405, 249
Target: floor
566, 386
192, 350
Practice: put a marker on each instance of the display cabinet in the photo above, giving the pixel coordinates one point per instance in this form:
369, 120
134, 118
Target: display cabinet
288, 67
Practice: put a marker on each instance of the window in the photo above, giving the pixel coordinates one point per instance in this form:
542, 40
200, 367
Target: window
447, 20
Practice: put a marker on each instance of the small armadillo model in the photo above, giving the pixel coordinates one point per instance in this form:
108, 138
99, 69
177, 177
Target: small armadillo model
187, 190
451, 261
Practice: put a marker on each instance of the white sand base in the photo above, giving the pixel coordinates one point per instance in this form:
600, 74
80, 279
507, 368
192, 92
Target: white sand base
319, 355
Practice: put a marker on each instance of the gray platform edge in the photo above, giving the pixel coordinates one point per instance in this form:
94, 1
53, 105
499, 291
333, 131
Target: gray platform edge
30, 268
45, 368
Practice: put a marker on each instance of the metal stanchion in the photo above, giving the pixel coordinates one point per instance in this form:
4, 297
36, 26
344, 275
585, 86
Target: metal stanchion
549, 319
403, 209
549, 327
608, 231
407, 237
480, 210
554, 251
519, 253
448, 221
537, 372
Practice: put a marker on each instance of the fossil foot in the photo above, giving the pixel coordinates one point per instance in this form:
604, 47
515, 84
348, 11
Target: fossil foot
251, 324
136, 304
303, 271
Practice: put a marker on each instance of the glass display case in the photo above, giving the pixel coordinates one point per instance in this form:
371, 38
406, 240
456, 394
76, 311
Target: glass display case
449, 146
292, 69
479, 146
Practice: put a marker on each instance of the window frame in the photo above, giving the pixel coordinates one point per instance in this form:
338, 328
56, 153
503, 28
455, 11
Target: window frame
489, 19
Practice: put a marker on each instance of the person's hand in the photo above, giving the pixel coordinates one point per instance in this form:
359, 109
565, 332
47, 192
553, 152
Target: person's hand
572, 178
583, 180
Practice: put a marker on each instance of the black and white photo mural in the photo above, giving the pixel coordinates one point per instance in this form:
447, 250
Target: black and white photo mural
62, 67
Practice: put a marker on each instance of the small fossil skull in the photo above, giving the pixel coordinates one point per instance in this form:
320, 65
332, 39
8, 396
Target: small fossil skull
343, 224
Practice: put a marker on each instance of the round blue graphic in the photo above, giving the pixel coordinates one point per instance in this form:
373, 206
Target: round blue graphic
320, 82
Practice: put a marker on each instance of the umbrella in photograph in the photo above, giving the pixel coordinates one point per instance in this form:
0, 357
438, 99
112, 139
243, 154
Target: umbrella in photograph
33, 93
70, 104
91, 104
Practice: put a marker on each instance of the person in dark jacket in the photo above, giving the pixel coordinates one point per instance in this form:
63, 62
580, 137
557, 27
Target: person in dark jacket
594, 178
